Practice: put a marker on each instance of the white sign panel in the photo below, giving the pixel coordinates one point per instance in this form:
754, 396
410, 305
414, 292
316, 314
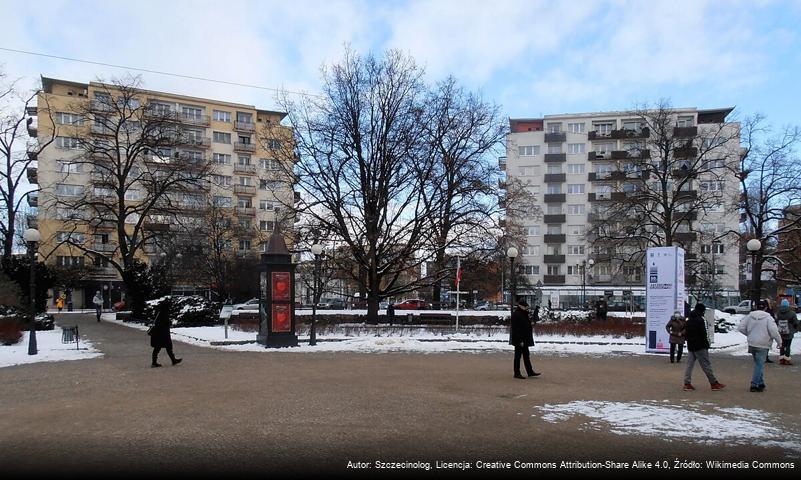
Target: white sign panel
554, 299
665, 294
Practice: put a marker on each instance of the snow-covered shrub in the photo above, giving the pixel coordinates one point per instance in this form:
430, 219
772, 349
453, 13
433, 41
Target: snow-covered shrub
185, 311
10, 325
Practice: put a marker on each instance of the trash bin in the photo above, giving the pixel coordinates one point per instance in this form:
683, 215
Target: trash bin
68, 334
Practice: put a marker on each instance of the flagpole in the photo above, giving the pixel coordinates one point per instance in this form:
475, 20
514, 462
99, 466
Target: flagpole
458, 281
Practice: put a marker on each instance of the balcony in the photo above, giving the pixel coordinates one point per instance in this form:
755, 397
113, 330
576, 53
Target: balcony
245, 126
33, 131
689, 216
599, 196
245, 211
554, 198
685, 152
32, 220
244, 147
555, 177
555, 238
685, 132
33, 200
619, 196
502, 163
104, 247
502, 184
554, 259
197, 142
620, 154
191, 119
245, 169
596, 135
599, 176
555, 137
33, 174
33, 155
104, 272
595, 156
101, 105
245, 189
555, 157
627, 133
603, 278
296, 196
101, 130
686, 237
558, 218
683, 172
154, 226
553, 279
687, 194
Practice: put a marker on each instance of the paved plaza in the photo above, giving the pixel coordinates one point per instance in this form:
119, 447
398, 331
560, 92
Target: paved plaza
287, 413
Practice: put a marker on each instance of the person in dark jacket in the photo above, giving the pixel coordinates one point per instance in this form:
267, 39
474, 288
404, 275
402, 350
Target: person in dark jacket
160, 334
698, 348
787, 321
521, 335
601, 310
676, 328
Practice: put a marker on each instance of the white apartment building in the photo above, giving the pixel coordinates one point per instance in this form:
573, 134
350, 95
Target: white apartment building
574, 164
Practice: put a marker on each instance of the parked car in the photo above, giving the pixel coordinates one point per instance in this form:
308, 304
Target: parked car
743, 307
412, 304
484, 305
252, 304
338, 304
383, 305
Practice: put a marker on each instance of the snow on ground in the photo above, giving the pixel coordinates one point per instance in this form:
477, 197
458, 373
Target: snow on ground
50, 349
707, 423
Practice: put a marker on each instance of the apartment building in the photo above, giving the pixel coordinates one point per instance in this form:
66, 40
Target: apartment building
228, 136
576, 165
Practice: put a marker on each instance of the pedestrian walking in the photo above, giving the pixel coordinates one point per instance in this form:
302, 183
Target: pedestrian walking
601, 310
521, 335
677, 328
787, 322
60, 302
761, 330
698, 349
160, 334
391, 313
98, 303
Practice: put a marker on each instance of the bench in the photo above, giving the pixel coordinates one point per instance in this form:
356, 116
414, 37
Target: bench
436, 318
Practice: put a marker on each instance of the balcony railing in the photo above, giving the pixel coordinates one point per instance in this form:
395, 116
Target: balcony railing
556, 218
596, 135
685, 152
104, 272
687, 194
32, 174
191, 119
245, 189
555, 238
245, 211
156, 226
201, 142
555, 137
502, 163
686, 237
628, 133
32, 220
33, 200
104, 247
553, 279
685, 132
101, 130
555, 177
246, 169
555, 157
245, 126
554, 198
554, 259
244, 147
101, 105
502, 184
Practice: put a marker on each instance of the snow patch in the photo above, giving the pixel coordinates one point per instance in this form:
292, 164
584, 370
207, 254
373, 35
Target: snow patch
50, 349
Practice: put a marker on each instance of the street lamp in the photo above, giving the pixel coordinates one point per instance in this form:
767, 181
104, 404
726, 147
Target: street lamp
584, 265
511, 252
32, 238
753, 247
317, 250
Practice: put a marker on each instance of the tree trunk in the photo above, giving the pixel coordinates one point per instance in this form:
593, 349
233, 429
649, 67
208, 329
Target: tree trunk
439, 265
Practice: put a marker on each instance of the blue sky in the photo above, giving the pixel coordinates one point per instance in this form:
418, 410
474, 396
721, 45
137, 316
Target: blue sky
531, 57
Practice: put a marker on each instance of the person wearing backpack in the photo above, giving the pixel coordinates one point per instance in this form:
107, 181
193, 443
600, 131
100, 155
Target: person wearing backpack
761, 330
787, 321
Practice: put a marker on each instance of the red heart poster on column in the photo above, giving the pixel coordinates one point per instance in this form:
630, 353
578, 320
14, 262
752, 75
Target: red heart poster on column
281, 287
282, 318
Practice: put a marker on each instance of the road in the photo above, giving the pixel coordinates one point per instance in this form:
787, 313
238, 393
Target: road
259, 413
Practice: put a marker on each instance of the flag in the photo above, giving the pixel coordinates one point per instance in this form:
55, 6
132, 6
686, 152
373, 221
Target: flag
458, 272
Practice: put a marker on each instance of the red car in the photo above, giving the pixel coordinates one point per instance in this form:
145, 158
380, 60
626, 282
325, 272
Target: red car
412, 304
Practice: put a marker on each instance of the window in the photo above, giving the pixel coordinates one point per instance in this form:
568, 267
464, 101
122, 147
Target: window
196, 136
553, 188
577, 230
270, 164
529, 269
632, 125
222, 116
132, 194
554, 127
554, 269
221, 180
575, 168
221, 159
244, 245
712, 186
554, 148
575, 188
716, 228
554, 209
193, 113
62, 261
245, 181
577, 209
265, 205
575, 148
245, 223
65, 190
530, 250
244, 160
73, 237
67, 167
67, 142
554, 229
576, 249
604, 128
529, 171
630, 187
532, 231
573, 270
244, 202
270, 185
273, 144
528, 150
575, 127
685, 122
221, 137
554, 168
244, 117
266, 225
63, 118
244, 139
224, 202
606, 147
716, 248
716, 163
161, 109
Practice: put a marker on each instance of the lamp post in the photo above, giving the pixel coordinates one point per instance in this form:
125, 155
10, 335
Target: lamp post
584, 264
32, 238
753, 247
317, 250
511, 252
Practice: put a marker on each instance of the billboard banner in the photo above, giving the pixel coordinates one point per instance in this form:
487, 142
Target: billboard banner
665, 293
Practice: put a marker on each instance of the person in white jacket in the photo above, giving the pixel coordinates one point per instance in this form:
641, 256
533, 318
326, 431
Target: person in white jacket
761, 330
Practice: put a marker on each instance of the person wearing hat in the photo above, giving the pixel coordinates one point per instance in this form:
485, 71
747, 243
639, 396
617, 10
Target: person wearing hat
761, 330
698, 348
787, 321
521, 335
676, 327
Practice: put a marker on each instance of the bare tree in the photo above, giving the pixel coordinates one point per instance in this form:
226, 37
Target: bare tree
358, 153
18, 152
147, 176
460, 193
770, 181
651, 193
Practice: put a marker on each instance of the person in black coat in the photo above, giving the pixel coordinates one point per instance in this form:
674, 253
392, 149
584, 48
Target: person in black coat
601, 310
160, 334
521, 335
698, 348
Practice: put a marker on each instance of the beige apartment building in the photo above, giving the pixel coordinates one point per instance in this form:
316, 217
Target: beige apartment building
245, 183
575, 165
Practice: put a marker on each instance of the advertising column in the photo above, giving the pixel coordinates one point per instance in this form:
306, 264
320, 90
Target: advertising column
664, 270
